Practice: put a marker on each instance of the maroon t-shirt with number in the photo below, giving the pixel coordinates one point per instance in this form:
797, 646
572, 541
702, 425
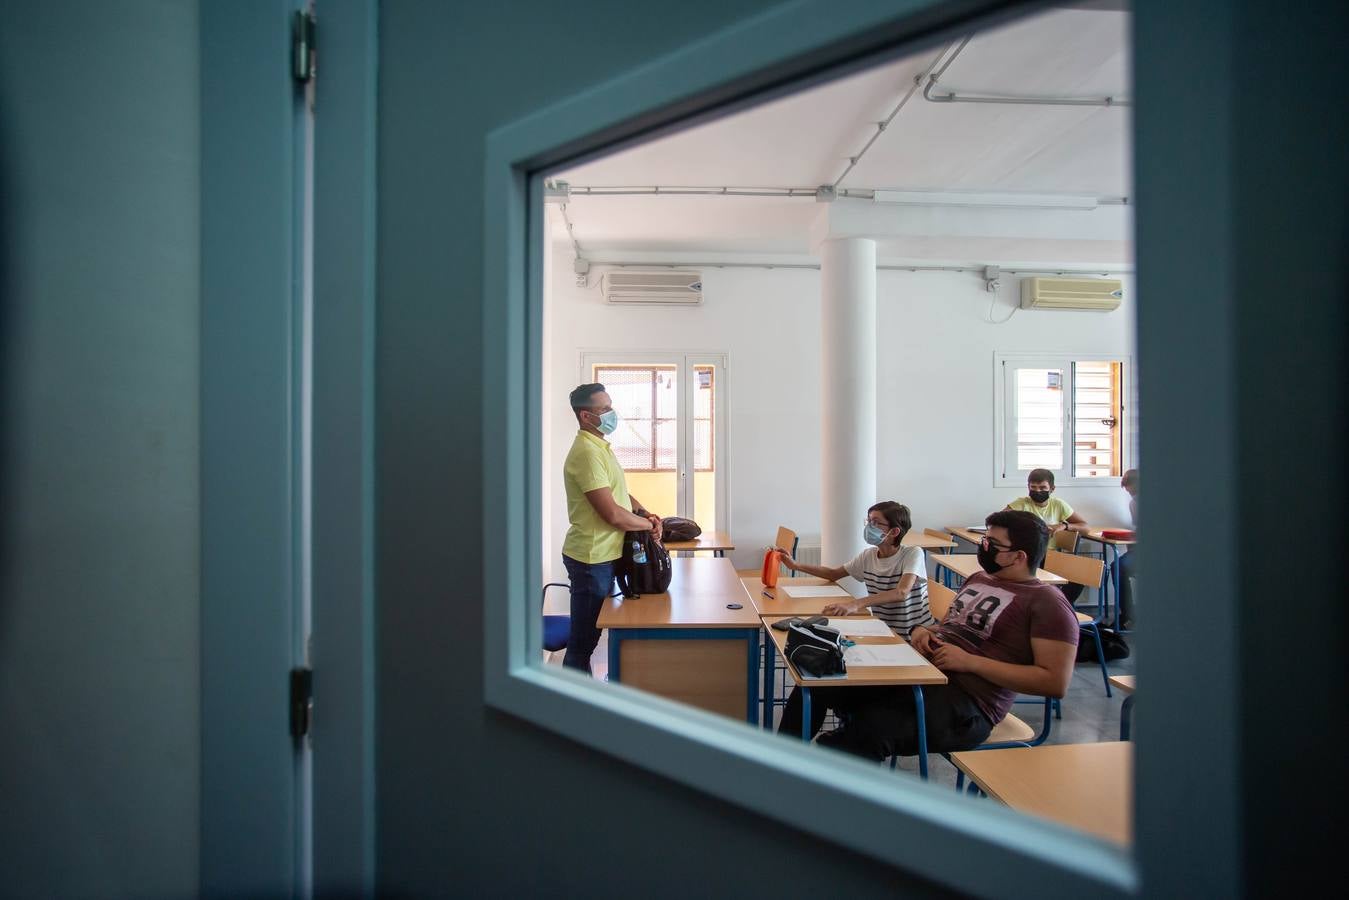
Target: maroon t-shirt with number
995, 618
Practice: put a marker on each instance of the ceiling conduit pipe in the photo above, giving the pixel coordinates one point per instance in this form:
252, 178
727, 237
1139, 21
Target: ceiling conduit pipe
881, 126
953, 97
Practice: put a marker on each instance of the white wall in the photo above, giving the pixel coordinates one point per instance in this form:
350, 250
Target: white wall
935, 389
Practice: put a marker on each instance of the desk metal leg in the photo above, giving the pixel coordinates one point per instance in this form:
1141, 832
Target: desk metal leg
805, 713
752, 669
1126, 712
922, 731
770, 661
615, 639
1114, 577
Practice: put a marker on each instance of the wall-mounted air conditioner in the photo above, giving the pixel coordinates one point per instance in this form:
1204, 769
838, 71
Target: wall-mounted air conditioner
1101, 294
668, 288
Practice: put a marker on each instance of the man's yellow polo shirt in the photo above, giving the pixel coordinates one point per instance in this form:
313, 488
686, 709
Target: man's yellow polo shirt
591, 465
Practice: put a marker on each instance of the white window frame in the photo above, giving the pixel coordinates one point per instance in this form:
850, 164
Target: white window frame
901, 821
684, 362
1005, 473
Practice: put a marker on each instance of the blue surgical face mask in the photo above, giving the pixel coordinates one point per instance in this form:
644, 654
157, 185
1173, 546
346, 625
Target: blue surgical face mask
608, 422
873, 535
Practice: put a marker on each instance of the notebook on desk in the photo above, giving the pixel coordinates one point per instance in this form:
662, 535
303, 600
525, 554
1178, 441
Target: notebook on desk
976, 528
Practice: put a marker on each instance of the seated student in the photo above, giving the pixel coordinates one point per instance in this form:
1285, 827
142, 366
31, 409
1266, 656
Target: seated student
895, 575
1053, 511
1005, 633
1123, 566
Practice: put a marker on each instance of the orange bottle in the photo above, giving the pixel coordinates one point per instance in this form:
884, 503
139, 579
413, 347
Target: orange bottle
770, 568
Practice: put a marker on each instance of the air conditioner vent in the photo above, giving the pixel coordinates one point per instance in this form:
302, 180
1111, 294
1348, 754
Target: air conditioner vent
670, 288
1100, 294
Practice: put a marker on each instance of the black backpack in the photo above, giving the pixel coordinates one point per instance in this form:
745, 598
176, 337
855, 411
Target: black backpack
649, 576
678, 529
1112, 642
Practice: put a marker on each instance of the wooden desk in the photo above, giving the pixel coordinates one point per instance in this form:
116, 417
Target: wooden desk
916, 538
859, 676
1083, 786
716, 541
960, 531
1125, 684
966, 564
779, 604
686, 644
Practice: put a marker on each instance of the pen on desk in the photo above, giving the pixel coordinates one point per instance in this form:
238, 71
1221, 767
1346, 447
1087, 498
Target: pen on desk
768, 595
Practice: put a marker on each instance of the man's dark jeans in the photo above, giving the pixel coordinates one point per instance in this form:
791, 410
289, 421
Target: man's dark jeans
590, 584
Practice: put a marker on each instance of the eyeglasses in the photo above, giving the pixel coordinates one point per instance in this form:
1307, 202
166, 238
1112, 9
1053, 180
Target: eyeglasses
987, 541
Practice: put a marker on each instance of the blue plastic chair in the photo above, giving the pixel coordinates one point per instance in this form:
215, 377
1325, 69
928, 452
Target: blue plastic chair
556, 629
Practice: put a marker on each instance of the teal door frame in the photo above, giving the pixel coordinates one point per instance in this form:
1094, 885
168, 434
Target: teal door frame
256, 803
250, 419
344, 450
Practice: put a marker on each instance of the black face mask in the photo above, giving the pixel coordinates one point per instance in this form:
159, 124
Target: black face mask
988, 559
1039, 496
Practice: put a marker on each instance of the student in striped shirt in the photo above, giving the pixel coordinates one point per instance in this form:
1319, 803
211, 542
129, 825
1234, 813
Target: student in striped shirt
895, 575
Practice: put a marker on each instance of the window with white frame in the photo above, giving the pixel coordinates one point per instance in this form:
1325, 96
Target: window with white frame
1065, 413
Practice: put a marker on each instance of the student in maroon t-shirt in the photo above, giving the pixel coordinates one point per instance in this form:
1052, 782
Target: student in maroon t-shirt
1005, 633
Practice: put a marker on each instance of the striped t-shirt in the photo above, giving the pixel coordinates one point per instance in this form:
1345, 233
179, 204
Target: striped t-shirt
883, 573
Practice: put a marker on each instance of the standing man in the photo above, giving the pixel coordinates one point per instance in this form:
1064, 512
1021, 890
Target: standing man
600, 512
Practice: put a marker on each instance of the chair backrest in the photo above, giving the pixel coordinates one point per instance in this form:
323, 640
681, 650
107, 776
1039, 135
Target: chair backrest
939, 598
786, 539
1081, 570
1065, 540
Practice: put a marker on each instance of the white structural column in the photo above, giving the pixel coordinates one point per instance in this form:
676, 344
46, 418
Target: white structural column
847, 393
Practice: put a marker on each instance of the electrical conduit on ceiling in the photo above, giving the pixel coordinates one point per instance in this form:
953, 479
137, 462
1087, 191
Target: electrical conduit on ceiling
953, 97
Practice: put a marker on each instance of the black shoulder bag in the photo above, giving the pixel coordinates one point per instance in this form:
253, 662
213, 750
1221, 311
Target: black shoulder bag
815, 648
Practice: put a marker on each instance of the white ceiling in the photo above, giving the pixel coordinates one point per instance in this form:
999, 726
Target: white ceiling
805, 140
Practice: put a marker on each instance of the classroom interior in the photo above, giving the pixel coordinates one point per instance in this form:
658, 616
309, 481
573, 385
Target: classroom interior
837, 297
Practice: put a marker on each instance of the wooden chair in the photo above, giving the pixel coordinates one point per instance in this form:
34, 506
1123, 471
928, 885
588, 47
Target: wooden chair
1064, 540
787, 540
938, 533
939, 598
1087, 572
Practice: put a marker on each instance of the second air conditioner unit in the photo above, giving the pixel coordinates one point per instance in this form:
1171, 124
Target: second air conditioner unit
668, 288
1100, 294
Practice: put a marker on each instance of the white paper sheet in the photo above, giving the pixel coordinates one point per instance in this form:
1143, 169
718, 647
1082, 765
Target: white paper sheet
813, 590
862, 655
861, 627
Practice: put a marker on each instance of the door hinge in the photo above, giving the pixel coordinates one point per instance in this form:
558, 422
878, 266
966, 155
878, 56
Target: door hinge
301, 702
303, 57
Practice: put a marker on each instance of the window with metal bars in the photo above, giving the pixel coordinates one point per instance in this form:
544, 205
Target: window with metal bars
646, 398
1064, 414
